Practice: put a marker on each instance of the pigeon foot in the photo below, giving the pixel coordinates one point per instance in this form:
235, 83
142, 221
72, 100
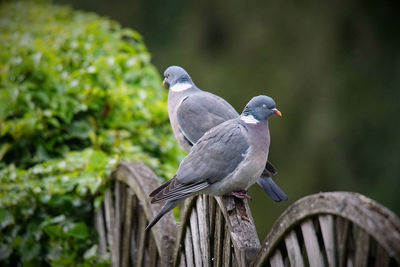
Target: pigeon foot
241, 194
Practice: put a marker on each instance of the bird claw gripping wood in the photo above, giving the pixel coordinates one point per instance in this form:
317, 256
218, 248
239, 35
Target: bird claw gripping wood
241, 194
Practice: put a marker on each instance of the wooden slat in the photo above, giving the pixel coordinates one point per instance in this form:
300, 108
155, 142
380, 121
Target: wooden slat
108, 216
218, 238
151, 252
227, 261
362, 247
100, 221
184, 222
110, 220
293, 250
382, 258
182, 260
327, 229
134, 229
311, 244
133, 247
203, 219
194, 227
277, 259
127, 228
212, 205
141, 239
117, 221
189, 248
342, 230
349, 262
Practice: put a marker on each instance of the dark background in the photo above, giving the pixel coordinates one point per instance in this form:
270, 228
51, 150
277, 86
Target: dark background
332, 67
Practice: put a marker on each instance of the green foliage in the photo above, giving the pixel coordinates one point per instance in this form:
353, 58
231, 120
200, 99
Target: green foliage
77, 94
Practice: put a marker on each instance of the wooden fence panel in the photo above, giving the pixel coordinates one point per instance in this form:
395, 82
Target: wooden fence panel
336, 229
326, 229
126, 211
219, 230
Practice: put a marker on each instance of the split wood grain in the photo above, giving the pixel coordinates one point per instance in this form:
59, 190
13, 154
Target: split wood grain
293, 250
100, 227
127, 228
190, 261
327, 228
277, 259
194, 227
311, 243
362, 247
204, 233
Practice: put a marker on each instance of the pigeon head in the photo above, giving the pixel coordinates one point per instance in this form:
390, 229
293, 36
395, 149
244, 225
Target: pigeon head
174, 75
259, 108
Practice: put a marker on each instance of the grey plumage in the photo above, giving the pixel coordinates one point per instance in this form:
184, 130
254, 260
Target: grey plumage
228, 158
195, 118
193, 112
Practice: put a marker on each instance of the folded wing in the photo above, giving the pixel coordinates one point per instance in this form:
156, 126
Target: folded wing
216, 155
200, 112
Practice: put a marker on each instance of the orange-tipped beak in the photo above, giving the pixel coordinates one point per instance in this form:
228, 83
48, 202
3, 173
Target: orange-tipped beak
277, 112
163, 83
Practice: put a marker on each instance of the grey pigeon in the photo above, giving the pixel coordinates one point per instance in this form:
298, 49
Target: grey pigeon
193, 112
228, 159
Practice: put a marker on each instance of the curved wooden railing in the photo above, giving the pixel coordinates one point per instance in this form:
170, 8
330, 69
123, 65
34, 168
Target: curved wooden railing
123, 216
333, 229
326, 229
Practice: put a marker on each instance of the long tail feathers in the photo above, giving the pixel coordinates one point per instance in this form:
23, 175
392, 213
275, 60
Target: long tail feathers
167, 207
272, 189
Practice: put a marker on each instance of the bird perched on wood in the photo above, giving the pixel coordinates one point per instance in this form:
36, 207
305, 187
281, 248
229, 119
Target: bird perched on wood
192, 112
228, 159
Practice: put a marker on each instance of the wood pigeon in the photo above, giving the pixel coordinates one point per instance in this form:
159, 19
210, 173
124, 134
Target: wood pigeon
192, 112
228, 159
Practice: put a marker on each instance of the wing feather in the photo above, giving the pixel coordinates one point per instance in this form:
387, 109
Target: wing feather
176, 190
217, 154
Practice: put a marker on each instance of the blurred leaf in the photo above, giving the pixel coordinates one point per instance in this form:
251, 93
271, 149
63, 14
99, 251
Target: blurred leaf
30, 249
91, 253
5, 218
79, 230
97, 160
5, 251
54, 231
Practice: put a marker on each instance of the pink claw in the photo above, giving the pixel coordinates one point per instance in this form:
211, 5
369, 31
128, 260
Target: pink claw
241, 194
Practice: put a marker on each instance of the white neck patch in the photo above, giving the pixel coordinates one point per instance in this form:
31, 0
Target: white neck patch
249, 119
178, 87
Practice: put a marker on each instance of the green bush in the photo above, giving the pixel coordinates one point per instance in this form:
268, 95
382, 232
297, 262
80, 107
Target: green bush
77, 94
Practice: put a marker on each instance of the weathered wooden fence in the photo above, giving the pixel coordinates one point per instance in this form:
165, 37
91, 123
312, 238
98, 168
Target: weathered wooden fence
326, 229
